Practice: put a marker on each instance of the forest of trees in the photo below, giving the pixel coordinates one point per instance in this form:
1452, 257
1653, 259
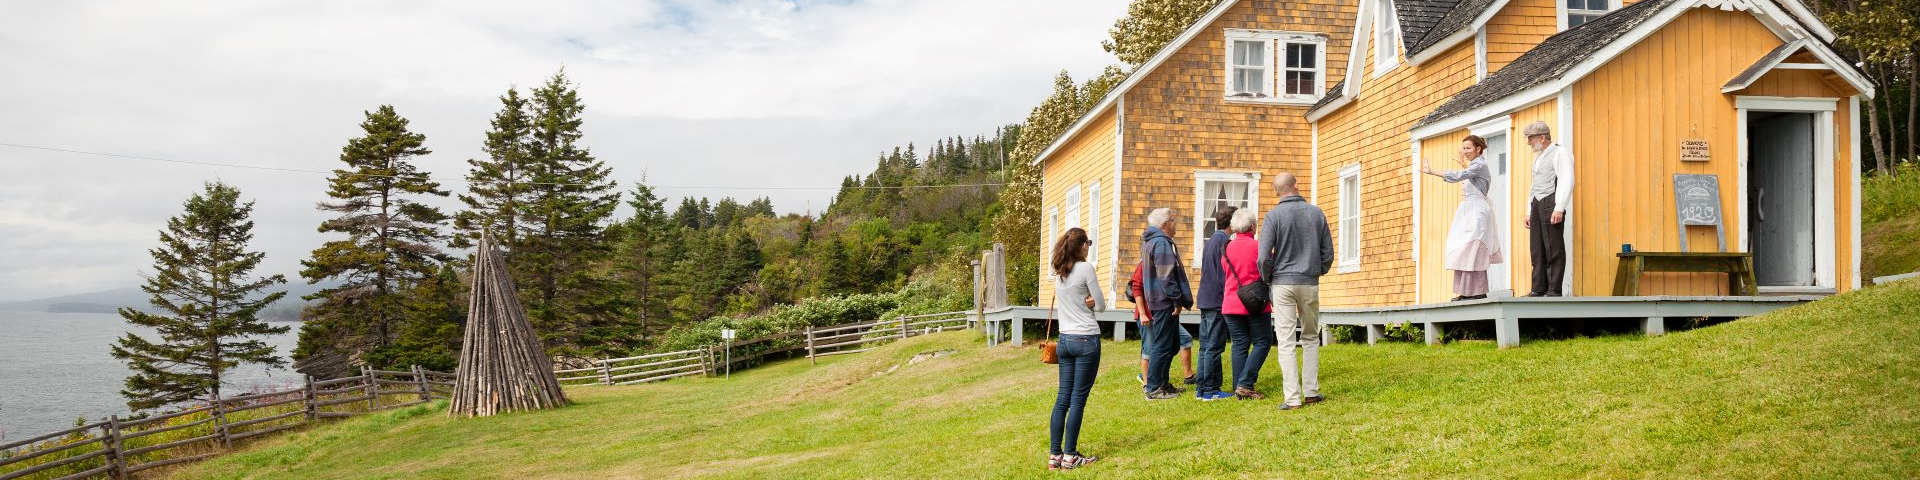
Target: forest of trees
676, 270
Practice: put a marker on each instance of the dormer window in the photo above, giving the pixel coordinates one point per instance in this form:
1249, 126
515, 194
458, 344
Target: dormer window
1583, 11
1274, 67
1386, 38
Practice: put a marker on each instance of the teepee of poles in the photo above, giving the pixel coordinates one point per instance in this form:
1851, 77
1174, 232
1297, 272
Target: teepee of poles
503, 367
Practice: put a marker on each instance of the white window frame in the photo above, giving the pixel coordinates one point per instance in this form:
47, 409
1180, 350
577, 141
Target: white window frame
1053, 234
1276, 61
1072, 203
1200, 216
1386, 38
1093, 223
1566, 14
1349, 250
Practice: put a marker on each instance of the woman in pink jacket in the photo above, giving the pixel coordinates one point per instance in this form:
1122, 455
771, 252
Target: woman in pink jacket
1251, 331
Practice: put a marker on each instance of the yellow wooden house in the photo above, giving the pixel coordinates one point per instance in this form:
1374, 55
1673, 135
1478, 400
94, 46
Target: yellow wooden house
1351, 97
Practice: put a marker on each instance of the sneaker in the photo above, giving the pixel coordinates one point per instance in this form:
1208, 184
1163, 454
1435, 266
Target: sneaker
1053, 462
1141, 379
1313, 399
1069, 462
1171, 389
1208, 397
1285, 407
1245, 393
1162, 395
1189, 380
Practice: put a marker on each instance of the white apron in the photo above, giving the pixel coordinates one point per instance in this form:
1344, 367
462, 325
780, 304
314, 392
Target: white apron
1472, 242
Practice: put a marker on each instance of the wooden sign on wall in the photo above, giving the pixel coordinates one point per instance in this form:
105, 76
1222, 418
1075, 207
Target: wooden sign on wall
1694, 150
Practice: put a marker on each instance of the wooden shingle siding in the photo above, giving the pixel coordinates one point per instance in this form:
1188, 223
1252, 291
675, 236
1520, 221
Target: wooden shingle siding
1629, 122
1373, 133
1178, 122
1517, 28
1083, 160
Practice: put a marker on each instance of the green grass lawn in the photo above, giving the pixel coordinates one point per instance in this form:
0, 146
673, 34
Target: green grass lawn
1829, 390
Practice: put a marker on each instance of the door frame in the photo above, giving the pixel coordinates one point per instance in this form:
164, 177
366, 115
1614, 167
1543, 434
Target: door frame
1823, 109
1503, 127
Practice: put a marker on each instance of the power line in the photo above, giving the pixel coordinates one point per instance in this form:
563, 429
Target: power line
331, 172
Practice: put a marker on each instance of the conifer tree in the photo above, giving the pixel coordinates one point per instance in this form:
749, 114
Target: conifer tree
208, 303
564, 225
392, 240
497, 187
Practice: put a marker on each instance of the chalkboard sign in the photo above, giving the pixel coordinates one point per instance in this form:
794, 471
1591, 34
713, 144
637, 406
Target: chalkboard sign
1696, 201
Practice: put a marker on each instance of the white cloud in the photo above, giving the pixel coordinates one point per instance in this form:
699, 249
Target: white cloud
740, 94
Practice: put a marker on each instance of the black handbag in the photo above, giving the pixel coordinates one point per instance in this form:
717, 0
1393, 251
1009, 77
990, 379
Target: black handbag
1252, 293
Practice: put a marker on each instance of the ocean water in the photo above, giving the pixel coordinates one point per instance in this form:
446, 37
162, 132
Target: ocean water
55, 367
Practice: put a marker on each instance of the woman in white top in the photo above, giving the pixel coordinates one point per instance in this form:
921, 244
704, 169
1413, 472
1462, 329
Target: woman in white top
1079, 347
1472, 242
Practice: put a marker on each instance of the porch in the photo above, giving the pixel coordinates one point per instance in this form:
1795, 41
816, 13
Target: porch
1009, 323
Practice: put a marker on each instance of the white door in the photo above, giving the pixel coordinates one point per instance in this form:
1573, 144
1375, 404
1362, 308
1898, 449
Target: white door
1499, 280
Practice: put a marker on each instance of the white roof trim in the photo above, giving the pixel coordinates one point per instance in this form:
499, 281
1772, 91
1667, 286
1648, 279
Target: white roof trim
1807, 18
1324, 110
1135, 76
1765, 9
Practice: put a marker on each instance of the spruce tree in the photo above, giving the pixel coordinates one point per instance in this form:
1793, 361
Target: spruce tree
208, 301
564, 225
392, 240
497, 187
644, 249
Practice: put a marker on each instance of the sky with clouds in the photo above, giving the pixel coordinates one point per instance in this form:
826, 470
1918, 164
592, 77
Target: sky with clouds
705, 98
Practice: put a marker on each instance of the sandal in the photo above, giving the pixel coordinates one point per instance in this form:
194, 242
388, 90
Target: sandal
1053, 462
1069, 462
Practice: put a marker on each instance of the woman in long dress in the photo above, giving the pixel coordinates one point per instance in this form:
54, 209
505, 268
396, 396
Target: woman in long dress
1472, 242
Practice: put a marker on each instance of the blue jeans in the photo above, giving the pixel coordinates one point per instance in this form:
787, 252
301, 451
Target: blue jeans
1162, 338
1253, 336
1079, 364
1146, 342
1213, 339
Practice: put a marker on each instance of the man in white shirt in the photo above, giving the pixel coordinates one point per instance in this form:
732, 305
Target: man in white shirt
1551, 196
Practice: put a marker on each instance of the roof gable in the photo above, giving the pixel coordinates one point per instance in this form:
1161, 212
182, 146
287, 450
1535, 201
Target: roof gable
1134, 77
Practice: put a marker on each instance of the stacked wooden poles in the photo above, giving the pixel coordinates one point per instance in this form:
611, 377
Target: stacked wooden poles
503, 367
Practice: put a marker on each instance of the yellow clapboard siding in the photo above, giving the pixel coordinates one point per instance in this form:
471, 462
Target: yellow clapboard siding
1082, 161
1629, 124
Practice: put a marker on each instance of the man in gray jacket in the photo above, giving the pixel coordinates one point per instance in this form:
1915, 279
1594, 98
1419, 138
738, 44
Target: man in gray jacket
1296, 248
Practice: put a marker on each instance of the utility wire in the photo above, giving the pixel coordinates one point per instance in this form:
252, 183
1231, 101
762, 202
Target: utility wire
331, 172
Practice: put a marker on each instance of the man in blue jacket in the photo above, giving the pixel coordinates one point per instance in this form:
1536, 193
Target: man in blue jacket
1213, 326
1164, 283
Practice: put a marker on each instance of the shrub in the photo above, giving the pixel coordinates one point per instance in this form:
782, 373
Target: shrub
1888, 197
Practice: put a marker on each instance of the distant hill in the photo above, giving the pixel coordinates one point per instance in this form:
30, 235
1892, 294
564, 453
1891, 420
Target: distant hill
110, 301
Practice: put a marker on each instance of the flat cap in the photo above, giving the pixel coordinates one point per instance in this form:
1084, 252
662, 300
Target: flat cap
1536, 128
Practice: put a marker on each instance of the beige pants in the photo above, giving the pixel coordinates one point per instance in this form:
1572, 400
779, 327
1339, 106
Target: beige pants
1298, 307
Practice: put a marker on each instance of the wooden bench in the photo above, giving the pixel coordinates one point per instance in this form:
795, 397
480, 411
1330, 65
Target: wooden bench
1737, 265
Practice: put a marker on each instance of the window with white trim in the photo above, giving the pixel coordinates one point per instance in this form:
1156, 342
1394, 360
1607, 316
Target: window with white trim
1348, 243
1386, 37
1583, 11
1214, 190
1053, 235
1273, 66
1073, 207
1093, 222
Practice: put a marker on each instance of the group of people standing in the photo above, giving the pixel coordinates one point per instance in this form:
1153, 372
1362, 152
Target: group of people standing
1262, 291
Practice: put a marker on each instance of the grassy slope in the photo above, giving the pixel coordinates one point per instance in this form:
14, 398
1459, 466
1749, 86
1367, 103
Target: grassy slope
1824, 390
1890, 247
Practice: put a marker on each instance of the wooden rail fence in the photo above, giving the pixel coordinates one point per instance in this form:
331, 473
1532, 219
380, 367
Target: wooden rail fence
117, 448
711, 360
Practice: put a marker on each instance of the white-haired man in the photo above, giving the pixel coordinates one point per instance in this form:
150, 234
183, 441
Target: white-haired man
1165, 291
1552, 194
